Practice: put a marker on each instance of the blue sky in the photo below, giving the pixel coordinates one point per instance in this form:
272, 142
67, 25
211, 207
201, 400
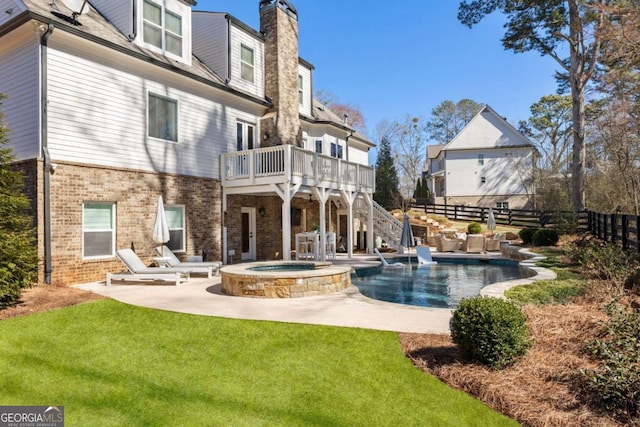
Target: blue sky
393, 58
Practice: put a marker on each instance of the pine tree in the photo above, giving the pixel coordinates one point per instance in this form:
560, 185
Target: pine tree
18, 256
387, 193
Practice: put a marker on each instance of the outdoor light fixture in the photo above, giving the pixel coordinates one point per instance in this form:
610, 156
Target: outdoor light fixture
265, 136
261, 210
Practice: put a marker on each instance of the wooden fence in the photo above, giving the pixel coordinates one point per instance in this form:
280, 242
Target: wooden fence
514, 217
617, 228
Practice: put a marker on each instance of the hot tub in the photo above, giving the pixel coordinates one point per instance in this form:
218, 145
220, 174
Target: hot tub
284, 279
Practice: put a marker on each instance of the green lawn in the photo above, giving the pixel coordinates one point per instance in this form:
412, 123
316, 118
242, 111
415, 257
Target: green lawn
110, 364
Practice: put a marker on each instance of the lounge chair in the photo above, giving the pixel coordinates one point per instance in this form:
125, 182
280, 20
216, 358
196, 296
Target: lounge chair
210, 268
384, 262
493, 243
474, 243
137, 271
443, 244
424, 255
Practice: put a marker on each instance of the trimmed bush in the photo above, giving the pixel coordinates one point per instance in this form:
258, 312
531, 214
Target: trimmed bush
474, 228
545, 237
490, 330
526, 234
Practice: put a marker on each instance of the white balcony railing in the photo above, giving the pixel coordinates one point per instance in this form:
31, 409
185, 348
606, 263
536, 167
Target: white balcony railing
286, 163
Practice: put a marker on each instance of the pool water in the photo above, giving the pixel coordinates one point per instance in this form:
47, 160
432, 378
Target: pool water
441, 285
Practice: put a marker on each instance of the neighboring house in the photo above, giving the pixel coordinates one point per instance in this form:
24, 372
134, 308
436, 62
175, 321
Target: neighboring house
138, 98
489, 163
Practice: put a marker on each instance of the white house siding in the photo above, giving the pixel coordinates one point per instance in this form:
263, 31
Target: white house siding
211, 41
9, 9
357, 155
97, 112
240, 37
487, 130
305, 107
119, 12
19, 80
504, 174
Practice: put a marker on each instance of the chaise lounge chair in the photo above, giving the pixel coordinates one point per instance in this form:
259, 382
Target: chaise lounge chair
424, 255
137, 271
210, 268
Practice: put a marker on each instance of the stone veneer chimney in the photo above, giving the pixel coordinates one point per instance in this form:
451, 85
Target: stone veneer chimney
279, 24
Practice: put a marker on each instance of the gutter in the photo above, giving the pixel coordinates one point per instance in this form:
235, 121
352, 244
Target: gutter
134, 21
45, 153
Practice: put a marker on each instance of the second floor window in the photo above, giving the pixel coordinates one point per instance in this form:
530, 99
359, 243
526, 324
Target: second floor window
336, 150
246, 63
319, 146
162, 28
300, 90
480, 159
163, 118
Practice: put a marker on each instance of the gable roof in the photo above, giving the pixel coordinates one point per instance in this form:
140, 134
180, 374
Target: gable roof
487, 129
323, 115
433, 151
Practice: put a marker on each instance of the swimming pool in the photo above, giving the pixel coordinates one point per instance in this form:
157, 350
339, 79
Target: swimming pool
441, 285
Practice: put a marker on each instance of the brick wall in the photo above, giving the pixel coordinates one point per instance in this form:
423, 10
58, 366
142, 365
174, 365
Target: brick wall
135, 194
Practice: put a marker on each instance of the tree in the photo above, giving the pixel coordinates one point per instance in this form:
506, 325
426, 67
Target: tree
409, 142
448, 119
549, 128
355, 118
18, 259
547, 26
386, 177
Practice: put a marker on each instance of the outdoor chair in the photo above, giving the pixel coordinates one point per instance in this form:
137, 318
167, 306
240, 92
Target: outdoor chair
424, 255
444, 244
137, 271
474, 243
493, 244
210, 268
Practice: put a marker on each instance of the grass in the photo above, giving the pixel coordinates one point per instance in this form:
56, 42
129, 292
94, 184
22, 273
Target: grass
568, 283
111, 364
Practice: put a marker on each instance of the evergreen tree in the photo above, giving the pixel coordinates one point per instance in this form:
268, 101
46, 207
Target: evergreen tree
18, 256
387, 193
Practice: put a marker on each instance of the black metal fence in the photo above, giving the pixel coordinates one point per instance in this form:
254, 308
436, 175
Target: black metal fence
617, 228
514, 217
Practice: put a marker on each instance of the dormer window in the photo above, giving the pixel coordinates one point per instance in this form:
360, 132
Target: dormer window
162, 28
246, 63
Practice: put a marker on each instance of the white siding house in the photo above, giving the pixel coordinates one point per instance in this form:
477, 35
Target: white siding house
135, 99
489, 163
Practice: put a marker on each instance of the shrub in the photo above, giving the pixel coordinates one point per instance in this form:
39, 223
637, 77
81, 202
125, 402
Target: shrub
490, 330
603, 260
546, 292
615, 384
526, 234
18, 257
474, 228
545, 237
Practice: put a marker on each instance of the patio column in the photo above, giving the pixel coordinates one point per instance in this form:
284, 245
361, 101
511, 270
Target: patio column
322, 194
224, 226
369, 199
286, 192
349, 198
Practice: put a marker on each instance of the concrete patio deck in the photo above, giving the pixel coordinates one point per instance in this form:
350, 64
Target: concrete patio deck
349, 308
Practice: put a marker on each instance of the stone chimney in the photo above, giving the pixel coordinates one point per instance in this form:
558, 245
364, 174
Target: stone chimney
279, 24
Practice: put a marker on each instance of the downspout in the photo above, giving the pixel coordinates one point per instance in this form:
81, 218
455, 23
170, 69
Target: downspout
134, 22
228, 79
45, 153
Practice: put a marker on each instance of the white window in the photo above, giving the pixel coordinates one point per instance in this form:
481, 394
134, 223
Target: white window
162, 28
319, 146
98, 229
300, 89
336, 150
176, 222
163, 118
480, 159
245, 136
502, 206
246, 63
